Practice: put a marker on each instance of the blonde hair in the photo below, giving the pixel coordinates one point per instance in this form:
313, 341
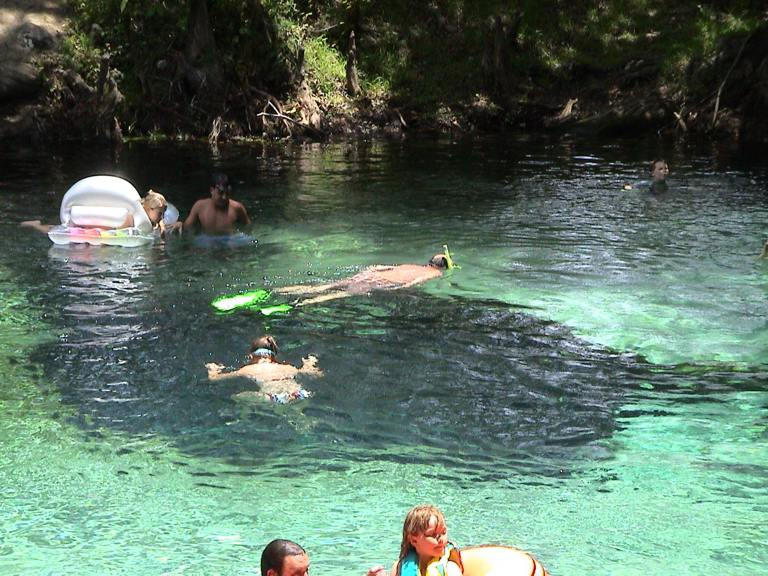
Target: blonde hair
416, 522
153, 200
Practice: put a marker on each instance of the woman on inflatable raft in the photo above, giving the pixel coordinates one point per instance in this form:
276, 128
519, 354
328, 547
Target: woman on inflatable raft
426, 551
108, 210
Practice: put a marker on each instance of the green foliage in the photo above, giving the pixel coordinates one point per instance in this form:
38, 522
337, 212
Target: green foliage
707, 28
419, 54
377, 89
79, 54
325, 69
135, 34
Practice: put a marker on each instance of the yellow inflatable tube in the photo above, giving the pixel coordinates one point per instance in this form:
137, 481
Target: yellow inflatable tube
491, 560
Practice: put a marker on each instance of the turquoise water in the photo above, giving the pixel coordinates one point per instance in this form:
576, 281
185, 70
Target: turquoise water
589, 386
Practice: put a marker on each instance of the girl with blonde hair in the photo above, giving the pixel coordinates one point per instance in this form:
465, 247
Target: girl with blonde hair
425, 549
155, 205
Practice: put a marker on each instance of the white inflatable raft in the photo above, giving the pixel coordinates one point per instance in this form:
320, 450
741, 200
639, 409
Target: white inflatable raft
94, 210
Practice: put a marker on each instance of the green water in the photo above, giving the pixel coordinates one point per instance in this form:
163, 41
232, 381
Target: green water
589, 386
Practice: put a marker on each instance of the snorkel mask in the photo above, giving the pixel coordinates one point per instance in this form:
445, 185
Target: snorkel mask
448, 259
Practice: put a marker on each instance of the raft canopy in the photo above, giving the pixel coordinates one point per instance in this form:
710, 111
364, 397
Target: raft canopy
104, 202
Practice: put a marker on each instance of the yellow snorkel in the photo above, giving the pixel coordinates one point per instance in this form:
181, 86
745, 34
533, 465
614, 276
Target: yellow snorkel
448, 259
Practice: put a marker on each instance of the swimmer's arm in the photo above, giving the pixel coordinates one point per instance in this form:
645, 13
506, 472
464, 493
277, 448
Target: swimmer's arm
242, 215
128, 222
215, 372
763, 254
418, 280
381, 571
309, 366
192, 218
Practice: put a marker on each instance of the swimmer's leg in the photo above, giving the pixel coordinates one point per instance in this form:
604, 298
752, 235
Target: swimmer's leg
305, 289
325, 297
36, 225
764, 253
251, 395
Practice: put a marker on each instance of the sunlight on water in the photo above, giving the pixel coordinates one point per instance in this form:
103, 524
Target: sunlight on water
589, 386
697, 314
116, 502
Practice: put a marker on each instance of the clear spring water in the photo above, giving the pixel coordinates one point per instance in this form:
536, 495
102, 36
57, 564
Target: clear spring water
591, 385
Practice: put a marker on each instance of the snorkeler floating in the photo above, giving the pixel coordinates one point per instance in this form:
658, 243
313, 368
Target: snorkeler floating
374, 278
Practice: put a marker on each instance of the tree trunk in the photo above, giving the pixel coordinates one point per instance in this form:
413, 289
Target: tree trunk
353, 86
200, 51
504, 31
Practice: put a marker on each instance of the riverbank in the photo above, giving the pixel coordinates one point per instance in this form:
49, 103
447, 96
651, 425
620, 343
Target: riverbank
85, 74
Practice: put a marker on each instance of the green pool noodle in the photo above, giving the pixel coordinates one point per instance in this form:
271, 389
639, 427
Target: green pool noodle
269, 310
229, 303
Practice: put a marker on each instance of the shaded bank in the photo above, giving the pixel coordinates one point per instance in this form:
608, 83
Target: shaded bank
254, 69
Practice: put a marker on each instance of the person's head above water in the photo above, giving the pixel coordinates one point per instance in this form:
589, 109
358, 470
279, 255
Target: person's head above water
220, 189
421, 520
264, 343
154, 205
284, 558
439, 261
659, 170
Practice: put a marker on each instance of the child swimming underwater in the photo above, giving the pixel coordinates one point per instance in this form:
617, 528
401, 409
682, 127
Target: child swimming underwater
277, 380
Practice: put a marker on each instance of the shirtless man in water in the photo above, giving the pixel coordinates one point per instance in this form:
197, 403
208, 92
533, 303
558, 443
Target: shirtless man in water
277, 380
219, 214
371, 279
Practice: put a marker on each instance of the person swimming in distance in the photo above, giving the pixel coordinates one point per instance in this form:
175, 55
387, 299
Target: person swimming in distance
277, 380
372, 278
659, 172
154, 205
658, 183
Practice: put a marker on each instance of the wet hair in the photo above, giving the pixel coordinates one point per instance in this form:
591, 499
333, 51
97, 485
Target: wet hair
439, 261
417, 522
154, 200
275, 552
219, 179
267, 342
